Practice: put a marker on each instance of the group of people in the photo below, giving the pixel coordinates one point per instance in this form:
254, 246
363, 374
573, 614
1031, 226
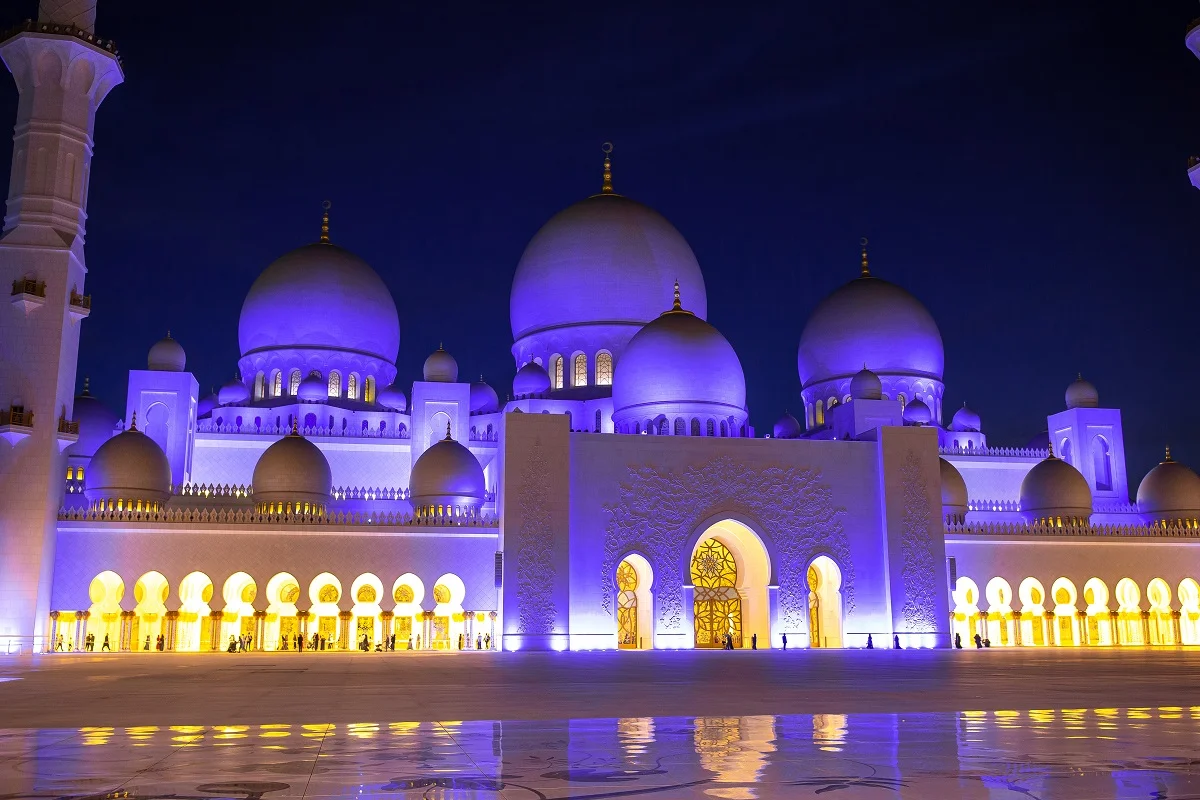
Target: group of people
89, 644
239, 644
980, 642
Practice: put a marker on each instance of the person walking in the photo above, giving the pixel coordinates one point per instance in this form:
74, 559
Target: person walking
958, 641
754, 641
147, 646
896, 640
106, 645
785, 641
58, 643
870, 642
978, 642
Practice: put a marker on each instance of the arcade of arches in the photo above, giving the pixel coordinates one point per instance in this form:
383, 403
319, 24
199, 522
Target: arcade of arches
323, 617
1067, 617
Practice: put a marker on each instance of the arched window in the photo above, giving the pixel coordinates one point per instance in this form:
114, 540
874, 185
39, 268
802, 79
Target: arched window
680, 428
903, 398
820, 413
664, 427
833, 401
1064, 450
695, 427
369, 390
724, 429
1102, 462
276, 384
604, 368
79, 473
259, 386
580, 374
598, 421
710, 428
294, 382
556, 372
335, 384
846, 399
352, 386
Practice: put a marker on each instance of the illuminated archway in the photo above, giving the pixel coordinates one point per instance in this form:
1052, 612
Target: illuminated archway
729, 570
324, 592
367, 591
1095, 598
1162, 626
408, 592
282, 626
966, 611
104, 614
448, 631
1033, 613
1189, 611
635, 603
150, 593
194, 631
238, 593
824, 603
999, 595
1129, 613
1066, 623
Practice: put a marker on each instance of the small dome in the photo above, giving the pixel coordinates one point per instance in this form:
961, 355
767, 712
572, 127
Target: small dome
869, 320
291, 474
441, 367
1170, 493
1082, 394
865, 385
313, 389
954, 493
917, 413
207, 404
788, 427
484, 399
166, 355
391, 396
531, 379
678, 359
96, 424
447, 475
131, 468
233, 392
1054, 490
966, 420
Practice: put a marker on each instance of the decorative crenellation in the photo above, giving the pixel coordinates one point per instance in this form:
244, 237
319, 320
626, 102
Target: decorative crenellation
210, 426
33, 26
1012, 452
1107, 530
247, 516
993, 505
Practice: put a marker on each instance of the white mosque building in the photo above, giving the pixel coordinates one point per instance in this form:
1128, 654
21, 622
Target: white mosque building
620, 499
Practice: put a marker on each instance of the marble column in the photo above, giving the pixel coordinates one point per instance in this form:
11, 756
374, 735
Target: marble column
53, 631
1016, 628
1114, 625
79, 628
984, 629
172, 630
1145, 627
215, 618
345, 618
1048, 626
1176, 629
126, 631
260, 630
385, 625
302, 620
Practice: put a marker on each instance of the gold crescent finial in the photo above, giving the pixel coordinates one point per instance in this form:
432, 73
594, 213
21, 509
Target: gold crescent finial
295, 426
1050, 446
448, 430
866, 271
133, 422
325, 221
677, 306
86, 380
1168, 452
606, 186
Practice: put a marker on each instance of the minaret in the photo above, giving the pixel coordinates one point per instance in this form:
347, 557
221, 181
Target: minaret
1193, 43
63, 72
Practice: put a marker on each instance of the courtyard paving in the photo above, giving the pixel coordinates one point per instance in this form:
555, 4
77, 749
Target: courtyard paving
261, 726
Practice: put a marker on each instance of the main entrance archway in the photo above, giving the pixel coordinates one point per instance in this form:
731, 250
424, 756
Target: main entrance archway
635, 627
824, 603
729, 571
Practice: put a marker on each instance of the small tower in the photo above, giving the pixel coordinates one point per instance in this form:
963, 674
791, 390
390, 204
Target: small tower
1193, 43
63, 72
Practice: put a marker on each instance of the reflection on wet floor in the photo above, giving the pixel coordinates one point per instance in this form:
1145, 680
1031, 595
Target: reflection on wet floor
1151, 753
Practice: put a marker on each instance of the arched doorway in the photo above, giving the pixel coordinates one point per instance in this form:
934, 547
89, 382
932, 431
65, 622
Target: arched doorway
1162, 626
966, 610
104, 615
729, 571
194, 632
282, 626
1129, 613
408, 592
635, 605
1189, 608
999, 595
324, 593
824, 603
448, 631
367, 591
1099, 624
238, 593
150, 593
1065, 613
1033, 612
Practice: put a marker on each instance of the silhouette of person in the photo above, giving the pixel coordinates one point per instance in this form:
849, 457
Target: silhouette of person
147, 647
754, 641
978, 642
870, 642
785, 641
105, 646
957, 641
896, 641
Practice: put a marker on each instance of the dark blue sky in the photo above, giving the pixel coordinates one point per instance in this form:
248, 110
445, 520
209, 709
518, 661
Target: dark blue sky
1019, 167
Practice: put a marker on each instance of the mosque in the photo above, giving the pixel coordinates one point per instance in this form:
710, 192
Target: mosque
619, 499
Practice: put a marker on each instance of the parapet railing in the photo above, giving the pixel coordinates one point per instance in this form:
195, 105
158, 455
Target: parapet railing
1021, 452
993, 505
210, 426
33, 26
1025, 529
245, 516
29, 286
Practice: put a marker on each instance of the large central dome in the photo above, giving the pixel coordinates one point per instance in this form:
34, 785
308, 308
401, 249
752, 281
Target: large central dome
324, 297
592, 277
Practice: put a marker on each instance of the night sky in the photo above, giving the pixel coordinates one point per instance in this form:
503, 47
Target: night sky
1021, 169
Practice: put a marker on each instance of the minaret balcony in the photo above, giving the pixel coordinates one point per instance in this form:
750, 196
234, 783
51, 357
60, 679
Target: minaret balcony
68, 433
81, 305
28, 294
16, 423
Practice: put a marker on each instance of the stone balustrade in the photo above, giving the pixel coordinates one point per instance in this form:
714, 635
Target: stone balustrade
1011, 452
1025, 529
210, 426
33, 26
248, 516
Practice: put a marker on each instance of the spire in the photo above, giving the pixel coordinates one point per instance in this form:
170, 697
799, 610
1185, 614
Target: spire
866, 271
677, 306
86, 381
295, 426
606, 187
133, 422
1050, 447
1167, 460
168, 333
448, 439
325, 221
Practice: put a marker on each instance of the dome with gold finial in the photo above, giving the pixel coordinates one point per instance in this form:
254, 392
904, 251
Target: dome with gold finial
594, 274
292, 476
166, 355
680, 370
1170, 494
447, 480
129, 472
1055, 493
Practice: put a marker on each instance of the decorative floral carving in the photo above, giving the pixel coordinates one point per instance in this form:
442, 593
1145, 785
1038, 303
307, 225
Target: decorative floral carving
535, 549
659, 509
916, 548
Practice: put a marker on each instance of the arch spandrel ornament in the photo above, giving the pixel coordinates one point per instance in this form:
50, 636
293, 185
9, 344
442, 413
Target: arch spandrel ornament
658, 510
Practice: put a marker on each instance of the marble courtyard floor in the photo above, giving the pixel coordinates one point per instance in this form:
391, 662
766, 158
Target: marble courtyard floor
1045, 723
